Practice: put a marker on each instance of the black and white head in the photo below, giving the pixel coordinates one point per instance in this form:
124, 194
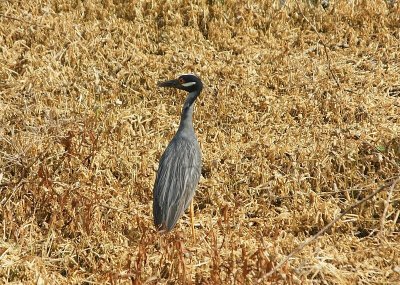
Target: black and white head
187, 82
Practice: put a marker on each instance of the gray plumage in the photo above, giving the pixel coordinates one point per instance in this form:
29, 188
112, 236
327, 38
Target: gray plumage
180, 165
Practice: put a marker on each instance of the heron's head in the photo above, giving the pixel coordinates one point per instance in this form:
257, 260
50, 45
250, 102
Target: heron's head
187, 82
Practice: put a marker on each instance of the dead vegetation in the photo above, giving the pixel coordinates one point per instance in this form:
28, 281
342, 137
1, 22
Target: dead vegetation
299, 120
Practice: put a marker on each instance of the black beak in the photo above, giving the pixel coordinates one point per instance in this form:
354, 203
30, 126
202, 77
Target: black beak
169, 83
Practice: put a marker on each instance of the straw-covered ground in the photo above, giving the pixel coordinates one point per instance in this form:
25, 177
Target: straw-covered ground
299, 120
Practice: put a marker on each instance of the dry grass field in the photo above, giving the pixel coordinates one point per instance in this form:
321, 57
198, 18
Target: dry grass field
299, 120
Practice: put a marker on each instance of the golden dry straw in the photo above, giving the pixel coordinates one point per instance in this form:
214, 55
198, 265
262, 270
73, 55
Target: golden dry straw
299, 123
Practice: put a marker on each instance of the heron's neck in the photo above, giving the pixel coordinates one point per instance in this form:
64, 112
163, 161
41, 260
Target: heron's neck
187, 111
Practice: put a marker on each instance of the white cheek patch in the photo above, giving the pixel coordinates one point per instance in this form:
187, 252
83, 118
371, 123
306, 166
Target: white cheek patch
187, 84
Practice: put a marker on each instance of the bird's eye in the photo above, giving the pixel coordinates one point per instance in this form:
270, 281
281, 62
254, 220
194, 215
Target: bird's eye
181, 81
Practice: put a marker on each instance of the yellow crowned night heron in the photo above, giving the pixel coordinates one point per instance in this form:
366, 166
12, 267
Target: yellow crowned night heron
180, 165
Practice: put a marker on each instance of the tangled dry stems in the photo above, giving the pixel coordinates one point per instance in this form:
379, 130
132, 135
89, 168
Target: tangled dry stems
299, 121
